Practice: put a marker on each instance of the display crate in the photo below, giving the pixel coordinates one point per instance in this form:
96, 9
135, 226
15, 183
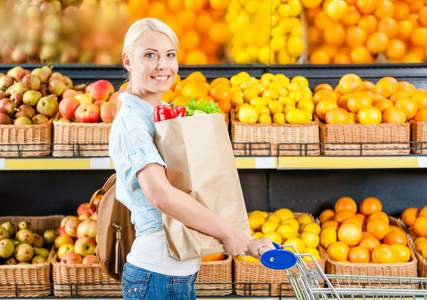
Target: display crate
215, 278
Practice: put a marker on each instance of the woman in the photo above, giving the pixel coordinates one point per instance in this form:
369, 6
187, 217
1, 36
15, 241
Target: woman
149, 55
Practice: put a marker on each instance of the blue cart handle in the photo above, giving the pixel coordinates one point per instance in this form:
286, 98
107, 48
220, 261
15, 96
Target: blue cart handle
278, 258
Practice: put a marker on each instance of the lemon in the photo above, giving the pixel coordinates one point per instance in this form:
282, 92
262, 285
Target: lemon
312, 227
284, 213
309, 115
263, 213
275, 107
281, 79
328, 236
257, 235
287, 231
259, 88
296, 95
304, 218
297, 243
248, 114
293, 87
237, 99
306, 104
290, 221
277, 31
245, 85
287, 100
284, 10
283, 92
313, 251
259, 101
249, 94
264, 55
274, 237
264, 118
273, 85
279, 118
262, 109
283, 57
311, 3
269, 227
274, 218
295, 116
310, 239
241, 57
253, 52
271, 93
244, 75
286, 24
251, 231
248, 258
300, 80
278, 43
236, 80
256, 220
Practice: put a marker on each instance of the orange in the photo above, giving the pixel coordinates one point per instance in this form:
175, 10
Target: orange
359, 255
419, 240
383, 254
382, 104
384, 9
342, 102
168, 96
181, 100
334, 35
319, 57
399, 94
403, 254
350, 233
396, 237
401, 10
337, 116
421, 98
219, 4
366, 234
361, 55
369, 243
323, 106
331, 223
420, 226
336, 9
420, 246
421, 115
347, 204
343, 215
378, 228
379, 215
341, 58
409, 215
394, 114
366, 7
392, 228
190, 40
194, 90
386, 87
213, 257
418, 36
355, 36
205, 99
193, 5
422, 16
324, 95
370, 205
377, 42
367, 86
219, 32
186, 19
220, 80
322, 86
404, 29
224, 105
388, 26
396, 49
368, 23
423, 212
349, 83
357, 101
338, 251
409, 106
175, 82
195, 57
221, 92
196, 76
326, 215
180, 85
361, 218
352, 17
369, 115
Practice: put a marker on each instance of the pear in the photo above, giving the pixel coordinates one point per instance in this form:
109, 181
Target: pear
6, 248
4, 234
11, 261
9, 227
25, 236
24, 252
38, 260
43, 252
25, 225
38, 240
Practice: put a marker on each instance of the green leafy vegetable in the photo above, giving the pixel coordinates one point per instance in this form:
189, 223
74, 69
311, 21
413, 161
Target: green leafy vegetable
193, 108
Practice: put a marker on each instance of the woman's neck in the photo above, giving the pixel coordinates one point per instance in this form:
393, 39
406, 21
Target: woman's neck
152, 98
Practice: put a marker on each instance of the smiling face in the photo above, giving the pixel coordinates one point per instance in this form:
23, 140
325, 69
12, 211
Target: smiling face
153, 66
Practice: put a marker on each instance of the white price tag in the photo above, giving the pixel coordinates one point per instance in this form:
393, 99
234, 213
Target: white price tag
100, 163
265, 163
422, 162
2, 161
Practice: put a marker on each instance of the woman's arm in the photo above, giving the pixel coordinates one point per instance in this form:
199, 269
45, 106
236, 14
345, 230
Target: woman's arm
184, 208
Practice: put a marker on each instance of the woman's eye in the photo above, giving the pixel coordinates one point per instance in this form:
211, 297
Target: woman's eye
171, 55
149, 55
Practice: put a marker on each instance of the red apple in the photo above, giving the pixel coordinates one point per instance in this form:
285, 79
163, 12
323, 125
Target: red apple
90, 259
101, 90
72, 258
87, 227
108, 112
99, 103
85, 216
84, 207
69, 93
87, 113
85, 246
88, 87
68, 106
63, 239
64, 220
61, 230
71, 226
114, 97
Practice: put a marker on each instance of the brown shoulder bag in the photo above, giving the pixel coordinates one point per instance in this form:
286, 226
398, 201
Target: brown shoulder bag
116, 233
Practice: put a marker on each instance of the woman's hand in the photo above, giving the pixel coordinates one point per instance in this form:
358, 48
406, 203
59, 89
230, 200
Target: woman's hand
236, 241
256, 245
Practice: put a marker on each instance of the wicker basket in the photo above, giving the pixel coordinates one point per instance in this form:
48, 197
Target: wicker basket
408, 269
365, 139
419, 135
29, 280
26, 140
294, 139
82, 280
213, 278
80, 139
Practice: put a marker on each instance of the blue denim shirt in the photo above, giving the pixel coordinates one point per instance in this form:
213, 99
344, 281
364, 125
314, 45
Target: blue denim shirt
131, 148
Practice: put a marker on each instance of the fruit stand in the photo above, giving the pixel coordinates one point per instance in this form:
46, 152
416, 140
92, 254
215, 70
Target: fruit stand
282, 162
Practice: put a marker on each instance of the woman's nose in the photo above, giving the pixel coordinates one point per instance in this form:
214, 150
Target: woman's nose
162, 64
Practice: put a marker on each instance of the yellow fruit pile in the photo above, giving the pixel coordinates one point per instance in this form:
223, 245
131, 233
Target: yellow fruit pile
252, 38
416, 221
363, 237
199, 25
271, 99
285, 228
361, 31
357, 101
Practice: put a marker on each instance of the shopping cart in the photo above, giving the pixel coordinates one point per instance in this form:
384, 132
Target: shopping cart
314, 284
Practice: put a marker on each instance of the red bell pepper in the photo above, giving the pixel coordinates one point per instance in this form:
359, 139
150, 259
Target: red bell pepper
166, 112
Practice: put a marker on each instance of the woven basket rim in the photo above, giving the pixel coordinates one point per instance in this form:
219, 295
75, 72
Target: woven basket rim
33, 266
8, 126
218, 262
406, 124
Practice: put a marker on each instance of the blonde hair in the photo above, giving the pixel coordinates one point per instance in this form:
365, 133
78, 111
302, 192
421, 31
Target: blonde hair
142, 28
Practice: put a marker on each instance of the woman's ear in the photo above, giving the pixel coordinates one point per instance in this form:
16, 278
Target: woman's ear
126, 62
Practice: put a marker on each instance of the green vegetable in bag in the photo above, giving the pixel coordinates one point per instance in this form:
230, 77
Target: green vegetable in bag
193, 108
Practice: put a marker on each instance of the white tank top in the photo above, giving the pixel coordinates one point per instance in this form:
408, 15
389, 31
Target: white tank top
151, 252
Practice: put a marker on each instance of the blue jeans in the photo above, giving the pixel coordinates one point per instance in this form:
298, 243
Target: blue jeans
138, 283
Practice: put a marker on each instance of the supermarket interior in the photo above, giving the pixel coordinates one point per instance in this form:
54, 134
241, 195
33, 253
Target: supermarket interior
325, 118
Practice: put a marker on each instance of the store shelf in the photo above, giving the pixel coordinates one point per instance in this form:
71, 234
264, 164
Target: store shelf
52, 163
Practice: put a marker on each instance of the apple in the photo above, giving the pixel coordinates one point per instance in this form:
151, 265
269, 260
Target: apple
94, 216
22, 121
4, 234
83, 208
6, 248
9, 227
43, 252
69, 93
39, 119
101, 90
61, 230
85, 246
72, 258
38, 260
24, 252
64, 220
87, 227
38, 240
62, 240
84, 216
25, 236
87, 113
49, 236
47, 106
71, 226
99, 102
31, 97
88, 87
114, 98
64, 120
108, 112
64, 249
90, 259
68, 106
83, 98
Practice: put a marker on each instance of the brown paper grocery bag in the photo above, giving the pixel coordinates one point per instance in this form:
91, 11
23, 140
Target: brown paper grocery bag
200, 161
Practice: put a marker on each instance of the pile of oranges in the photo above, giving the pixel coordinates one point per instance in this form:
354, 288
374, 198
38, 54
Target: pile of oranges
416, 221
199, 25
364, 31
285, 228
356, 101
363, 237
